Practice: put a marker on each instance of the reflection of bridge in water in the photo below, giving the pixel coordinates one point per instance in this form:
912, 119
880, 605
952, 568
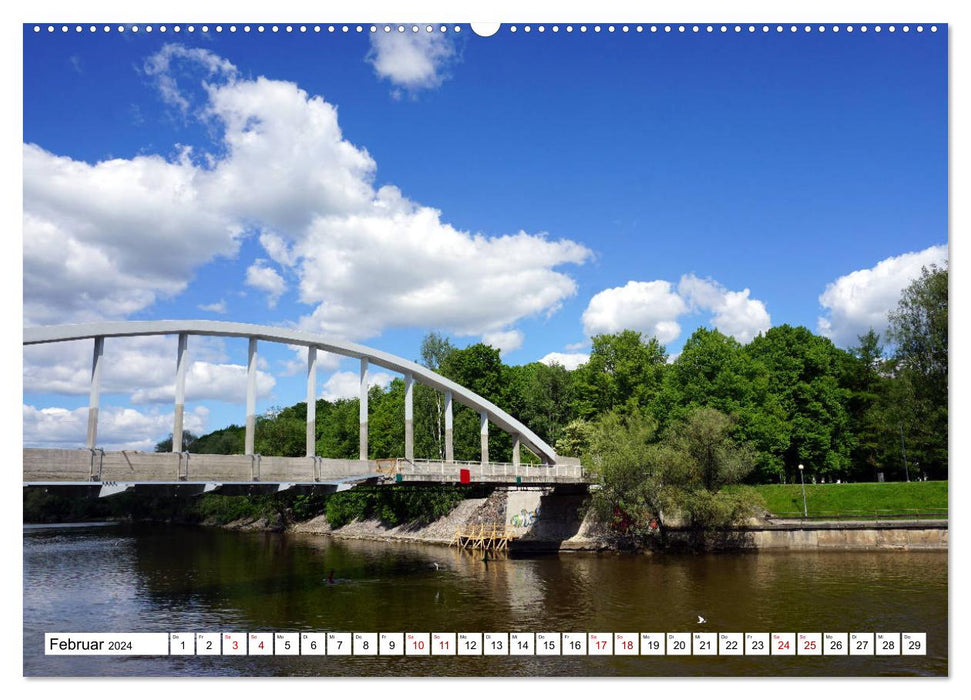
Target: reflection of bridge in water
115, 471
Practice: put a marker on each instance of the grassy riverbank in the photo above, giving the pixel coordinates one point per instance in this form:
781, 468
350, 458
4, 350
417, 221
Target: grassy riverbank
857, 500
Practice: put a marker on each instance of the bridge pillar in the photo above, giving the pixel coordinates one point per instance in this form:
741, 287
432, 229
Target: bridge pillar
484, 435
363, 411
95, 396
180, 360
409, 417
251, 399
311, 401
449, 449
515, 451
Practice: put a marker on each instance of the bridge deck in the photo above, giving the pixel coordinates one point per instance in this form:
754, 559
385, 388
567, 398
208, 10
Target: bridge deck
50, 467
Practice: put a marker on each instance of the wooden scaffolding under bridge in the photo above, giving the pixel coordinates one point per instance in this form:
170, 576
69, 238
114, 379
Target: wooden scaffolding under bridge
483, 536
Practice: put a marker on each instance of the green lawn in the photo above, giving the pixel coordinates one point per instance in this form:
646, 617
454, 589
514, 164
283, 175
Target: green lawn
859, 500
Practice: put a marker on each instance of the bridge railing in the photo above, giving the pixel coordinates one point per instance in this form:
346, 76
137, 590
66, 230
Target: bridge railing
449, 471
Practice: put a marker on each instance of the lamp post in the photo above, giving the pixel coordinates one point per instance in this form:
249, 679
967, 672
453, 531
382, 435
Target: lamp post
805, 510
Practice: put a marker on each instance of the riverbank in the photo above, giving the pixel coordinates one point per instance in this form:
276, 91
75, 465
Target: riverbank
538, 520
548, 522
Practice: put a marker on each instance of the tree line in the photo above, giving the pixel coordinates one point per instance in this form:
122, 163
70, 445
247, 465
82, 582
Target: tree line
788, 397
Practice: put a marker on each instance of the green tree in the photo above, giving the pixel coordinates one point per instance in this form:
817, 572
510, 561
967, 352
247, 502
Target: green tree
645, 485
633, 489
547, 400
430, 403
918, 329
870, 421
713, 370
225, 441
623, 372
806, 374
188, 440
282, 432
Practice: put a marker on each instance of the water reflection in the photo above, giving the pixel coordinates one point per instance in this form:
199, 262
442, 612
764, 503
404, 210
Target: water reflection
185, 579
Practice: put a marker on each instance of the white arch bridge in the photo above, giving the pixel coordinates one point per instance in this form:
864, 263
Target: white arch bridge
113, 472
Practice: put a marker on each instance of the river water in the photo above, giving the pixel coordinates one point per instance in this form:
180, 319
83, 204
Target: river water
181, 579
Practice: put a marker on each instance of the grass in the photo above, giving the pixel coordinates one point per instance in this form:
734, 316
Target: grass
916, 498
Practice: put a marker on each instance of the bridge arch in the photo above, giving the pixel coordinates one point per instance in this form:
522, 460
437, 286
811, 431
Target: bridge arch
412, 371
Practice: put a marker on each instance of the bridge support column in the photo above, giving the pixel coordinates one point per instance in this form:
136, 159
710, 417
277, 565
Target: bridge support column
449, 449
484, 436
311, 401
515, 451
95, 396
363, 412
180, 360
409, 417
251, 399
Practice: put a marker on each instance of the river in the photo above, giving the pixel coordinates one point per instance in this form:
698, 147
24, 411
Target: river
134, 578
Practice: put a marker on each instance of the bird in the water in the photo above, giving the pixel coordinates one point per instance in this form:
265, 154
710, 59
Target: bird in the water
435, 564
701, 620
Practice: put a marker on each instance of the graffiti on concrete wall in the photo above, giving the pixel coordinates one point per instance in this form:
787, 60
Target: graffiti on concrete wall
525, 518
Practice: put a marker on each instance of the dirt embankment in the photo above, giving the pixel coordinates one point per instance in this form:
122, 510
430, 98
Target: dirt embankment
555, 523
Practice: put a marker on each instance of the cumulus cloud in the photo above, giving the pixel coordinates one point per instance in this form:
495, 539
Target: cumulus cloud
347, 385
505, 341
648, 307
118, 428
217, 307
735, 314
81, 222
107, 240
653, 309
364, 258
142, 368
267, 279
862, 299
411, 60
569, 360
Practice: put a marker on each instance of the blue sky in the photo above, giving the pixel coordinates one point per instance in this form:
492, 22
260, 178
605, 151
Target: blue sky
531, 190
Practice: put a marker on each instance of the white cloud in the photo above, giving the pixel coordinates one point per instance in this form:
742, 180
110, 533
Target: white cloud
569, 360
141, 367
365, 259
159, 67
411, 60
653, 309
118, 428
505, 341
648, 307
347, 385
81, 224
735, 314
266, 279
217, 307
209, 381
862, 299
